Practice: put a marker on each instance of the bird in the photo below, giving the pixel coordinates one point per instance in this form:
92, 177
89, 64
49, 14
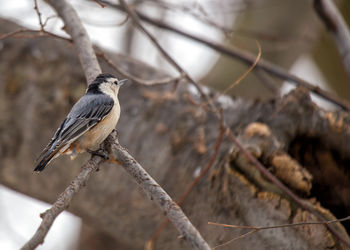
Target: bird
92, 118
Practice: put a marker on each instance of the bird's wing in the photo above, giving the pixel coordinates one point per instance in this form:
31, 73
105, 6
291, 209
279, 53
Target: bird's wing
85, 114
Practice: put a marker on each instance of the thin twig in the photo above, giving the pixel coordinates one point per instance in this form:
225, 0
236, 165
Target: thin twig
39, 34
36, 8
283, 187
62, 202
165, 54
156, 193
267, 81
234, 239
244, 75
100, 3
336, 25
280, 226
255, 229
48, 19
244, 56
134, 78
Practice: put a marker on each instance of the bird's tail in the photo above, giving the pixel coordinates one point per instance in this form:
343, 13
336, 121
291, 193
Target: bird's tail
50, 152
45, 160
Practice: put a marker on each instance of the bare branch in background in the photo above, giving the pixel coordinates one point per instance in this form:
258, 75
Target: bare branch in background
244, 75
267, 81
332, 18
244, 56
214, 109
137, 79
255, 229
37, 33
62, 202
166, 55
36, 8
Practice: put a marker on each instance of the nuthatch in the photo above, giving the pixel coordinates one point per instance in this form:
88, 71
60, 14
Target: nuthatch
89, 122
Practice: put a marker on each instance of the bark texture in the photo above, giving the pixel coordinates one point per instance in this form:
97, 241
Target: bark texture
173, 139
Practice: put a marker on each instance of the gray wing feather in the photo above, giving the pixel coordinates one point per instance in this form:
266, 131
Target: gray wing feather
85, 114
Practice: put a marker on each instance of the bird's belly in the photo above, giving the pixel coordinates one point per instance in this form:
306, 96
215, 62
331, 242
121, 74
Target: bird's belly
94, 137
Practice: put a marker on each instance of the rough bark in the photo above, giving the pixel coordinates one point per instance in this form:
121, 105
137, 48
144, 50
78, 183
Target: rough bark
173, 138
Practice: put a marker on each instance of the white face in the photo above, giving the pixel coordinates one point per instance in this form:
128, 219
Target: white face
110, 88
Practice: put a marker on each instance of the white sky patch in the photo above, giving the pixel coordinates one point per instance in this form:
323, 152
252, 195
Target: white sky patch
20, 219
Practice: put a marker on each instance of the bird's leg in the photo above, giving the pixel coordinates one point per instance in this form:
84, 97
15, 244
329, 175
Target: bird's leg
99, 152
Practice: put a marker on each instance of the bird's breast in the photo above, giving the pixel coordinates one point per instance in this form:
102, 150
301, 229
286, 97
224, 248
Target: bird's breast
95, 136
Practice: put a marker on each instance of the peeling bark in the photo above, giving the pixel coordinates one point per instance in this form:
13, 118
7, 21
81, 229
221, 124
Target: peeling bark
41, 78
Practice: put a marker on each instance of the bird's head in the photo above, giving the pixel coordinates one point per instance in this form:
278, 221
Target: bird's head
106, 84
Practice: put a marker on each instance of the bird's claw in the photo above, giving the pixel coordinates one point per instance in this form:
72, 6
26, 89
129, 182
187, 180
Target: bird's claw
100, 153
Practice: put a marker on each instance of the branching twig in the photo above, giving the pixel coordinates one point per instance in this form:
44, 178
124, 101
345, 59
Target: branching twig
267, 81
255, 229
244, 75
283, 187
243, 56
91, 69
335, 23
156, 193
36, 8
165, 54
245, 152
137, 79
62, 202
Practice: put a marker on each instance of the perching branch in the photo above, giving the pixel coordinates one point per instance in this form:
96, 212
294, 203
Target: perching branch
62, 202
92, 69
336, 25
156, 193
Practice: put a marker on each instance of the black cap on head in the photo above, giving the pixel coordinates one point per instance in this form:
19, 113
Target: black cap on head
93, 87
103, 77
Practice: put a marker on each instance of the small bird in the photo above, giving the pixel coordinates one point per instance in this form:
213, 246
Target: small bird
88, 123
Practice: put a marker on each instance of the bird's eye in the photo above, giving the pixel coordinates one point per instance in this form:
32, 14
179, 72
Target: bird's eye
116, 82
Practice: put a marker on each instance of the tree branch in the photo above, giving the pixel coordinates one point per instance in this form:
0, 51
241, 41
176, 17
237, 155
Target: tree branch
133, 15
156, 193
80, 37
91, 69
62, 202
336, 25
244, 56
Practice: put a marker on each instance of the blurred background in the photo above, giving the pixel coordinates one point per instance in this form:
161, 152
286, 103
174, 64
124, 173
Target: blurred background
290, 33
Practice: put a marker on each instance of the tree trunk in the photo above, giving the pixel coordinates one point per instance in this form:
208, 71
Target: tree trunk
173, 139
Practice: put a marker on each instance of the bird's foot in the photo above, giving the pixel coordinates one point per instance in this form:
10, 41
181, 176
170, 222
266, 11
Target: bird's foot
99, 152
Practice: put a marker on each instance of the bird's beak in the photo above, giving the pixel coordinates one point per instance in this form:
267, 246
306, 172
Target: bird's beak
121, 82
